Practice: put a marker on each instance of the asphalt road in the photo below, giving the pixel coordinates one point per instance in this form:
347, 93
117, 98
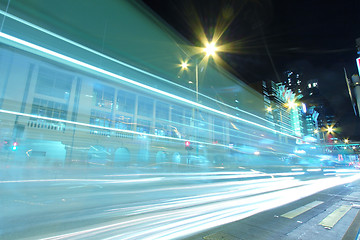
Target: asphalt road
326, 220
153, 203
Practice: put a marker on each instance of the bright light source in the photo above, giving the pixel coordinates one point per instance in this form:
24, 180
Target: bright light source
346, 140
316, 131
210, 49
291, 104
269, 109
330, 129
300, 151
184, 65
257, 153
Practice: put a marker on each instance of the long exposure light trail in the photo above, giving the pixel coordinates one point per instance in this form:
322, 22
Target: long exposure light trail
67, 59
178, 217
5, 14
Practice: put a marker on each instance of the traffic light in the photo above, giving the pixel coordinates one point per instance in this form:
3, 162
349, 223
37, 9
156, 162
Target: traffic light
15, 145
188, 145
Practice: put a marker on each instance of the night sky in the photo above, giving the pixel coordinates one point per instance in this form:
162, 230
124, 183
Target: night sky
314, 38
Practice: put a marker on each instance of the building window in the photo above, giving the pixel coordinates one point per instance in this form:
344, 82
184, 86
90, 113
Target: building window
123, 122
125, 102
50, 109
218, 130
177, 114
143, 126
100, 118
145, 106
53, 83
104, 96
161, 129
162, 110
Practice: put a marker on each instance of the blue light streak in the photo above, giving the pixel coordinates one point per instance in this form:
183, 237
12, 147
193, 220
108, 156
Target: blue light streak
133, 82
130, 66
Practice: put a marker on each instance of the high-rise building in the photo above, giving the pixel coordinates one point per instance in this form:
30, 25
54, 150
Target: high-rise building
282, 110
318, 104
293, 80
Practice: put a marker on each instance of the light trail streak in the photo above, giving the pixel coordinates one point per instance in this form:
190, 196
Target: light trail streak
83, 180
132, 82
5, 14
314, 170
179, 217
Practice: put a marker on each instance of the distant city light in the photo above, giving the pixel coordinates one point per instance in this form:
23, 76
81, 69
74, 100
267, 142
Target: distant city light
291, 104
330, 129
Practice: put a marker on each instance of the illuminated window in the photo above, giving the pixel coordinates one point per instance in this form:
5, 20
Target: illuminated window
51, 109
123, 122
53, 83
218, 130
161, 129
104, 96
143, 126
125, 102
162, 110
100, 118
177, 114
145, 106
309, 85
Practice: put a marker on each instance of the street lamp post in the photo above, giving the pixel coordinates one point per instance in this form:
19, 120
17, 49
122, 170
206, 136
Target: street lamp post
209, 50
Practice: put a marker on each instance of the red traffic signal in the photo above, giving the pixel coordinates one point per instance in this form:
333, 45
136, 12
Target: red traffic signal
188, 145
15, 144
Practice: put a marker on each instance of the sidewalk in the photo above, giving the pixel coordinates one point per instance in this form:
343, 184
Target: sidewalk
325, 216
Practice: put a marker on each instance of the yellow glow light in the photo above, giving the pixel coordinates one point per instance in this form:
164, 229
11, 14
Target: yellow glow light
269, 109
346, 140
210, 49
184, 65
291, 104
330, 129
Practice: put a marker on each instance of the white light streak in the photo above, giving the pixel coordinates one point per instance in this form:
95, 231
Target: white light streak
314, 170
113, 75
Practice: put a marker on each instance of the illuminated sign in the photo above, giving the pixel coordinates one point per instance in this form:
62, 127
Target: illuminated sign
304, 107
358, 64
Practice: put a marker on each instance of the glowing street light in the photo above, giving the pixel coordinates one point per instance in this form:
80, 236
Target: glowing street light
184, 65
346, 141
269, 109
330, 129
210, 49
291, 104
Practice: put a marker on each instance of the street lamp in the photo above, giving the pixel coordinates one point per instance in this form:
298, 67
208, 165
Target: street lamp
210, 50
291, 104
184, 65
330, 129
